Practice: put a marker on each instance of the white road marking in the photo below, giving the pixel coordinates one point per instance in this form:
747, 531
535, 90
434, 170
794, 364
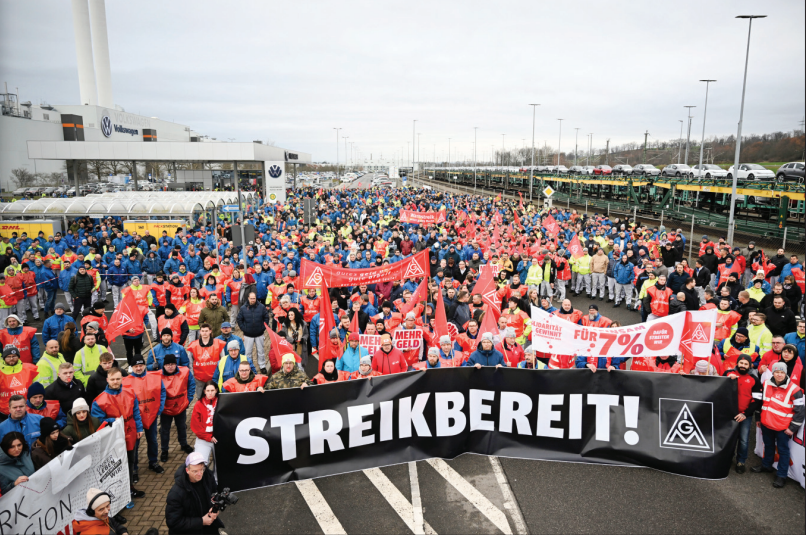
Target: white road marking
416, 501
319, 507
399, 502
510, 504
494, 514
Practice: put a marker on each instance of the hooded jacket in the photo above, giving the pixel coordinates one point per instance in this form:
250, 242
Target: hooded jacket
11, 469
491, 357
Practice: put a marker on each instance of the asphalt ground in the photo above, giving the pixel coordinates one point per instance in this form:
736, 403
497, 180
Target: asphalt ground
470, 494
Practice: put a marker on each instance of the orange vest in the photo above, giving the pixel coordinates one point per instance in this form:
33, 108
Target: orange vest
178, 293
120, 405
51, 410
574, 316
205, 359
148, 391
16, 383
141, 295
29, 281
90, 527
192, 311
235, 289
659, 305
103, 322
728, 320
357, 375
311, 307
777, 408
232, 384
174, 323
159, 291
176, 387
7, 295
21, 341
320, 379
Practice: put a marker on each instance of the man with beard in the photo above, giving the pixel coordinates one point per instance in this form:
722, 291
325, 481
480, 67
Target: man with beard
213, 314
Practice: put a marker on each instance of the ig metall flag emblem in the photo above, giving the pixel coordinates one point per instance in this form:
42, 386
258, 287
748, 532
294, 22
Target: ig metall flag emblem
686, 424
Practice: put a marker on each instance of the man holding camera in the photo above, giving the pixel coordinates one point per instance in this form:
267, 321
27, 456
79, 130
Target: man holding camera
194, 485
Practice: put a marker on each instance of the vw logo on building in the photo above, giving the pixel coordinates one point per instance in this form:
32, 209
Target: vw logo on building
106, 124
275, 171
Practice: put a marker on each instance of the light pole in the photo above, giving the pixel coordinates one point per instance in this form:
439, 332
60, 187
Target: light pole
705, 110
337, 152
590, 147
475, 154
688, 132
559, 143
413, 141
576, 146
739, 133
502, 149
532, 167
449, 152
418, 146
680, 142
345, 151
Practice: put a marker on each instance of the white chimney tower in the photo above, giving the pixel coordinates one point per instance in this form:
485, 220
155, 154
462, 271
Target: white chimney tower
86, 72
100, 50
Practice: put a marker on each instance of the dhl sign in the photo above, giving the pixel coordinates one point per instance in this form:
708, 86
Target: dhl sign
32, 228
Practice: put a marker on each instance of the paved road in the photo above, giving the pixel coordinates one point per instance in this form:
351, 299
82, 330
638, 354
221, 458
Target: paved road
479, 494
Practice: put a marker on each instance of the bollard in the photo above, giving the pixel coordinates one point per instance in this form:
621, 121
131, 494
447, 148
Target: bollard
783, 245
661, 217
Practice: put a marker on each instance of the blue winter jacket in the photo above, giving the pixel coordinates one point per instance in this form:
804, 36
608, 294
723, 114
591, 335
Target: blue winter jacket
53, 326
351, 358
493, 357
100, 414
601, 362
157, 355
623, 272
228, 339
117, 276
28, 426
64, 278
797, 341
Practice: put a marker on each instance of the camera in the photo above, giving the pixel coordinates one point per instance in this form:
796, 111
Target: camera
222, 499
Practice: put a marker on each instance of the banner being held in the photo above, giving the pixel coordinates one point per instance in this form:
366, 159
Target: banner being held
407, 339
681, 424
797, 455
656, 338
313, 275
422, 218
370, 342
49, 500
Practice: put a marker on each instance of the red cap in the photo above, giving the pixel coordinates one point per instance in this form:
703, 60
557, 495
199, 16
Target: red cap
353, 336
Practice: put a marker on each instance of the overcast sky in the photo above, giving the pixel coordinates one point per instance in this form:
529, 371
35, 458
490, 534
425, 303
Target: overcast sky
292, 71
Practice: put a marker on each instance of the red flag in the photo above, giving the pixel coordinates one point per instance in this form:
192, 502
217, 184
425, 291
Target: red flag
575, 247
551, 225
126, 316
279, 347
496, 235
498, 198
486, 287
440, 318
326, 324
354, 324
517, 219
489, 323
419, 294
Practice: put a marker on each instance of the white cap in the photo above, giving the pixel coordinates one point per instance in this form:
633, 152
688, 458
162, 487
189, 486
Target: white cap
487, 336
444, 339
509, 332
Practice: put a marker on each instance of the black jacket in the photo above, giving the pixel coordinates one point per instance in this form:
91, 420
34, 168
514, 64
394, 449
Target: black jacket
745, 309
97, 381
81, 285
703, 277
692, 299
66, 394
184, 509
251, 319
780, 322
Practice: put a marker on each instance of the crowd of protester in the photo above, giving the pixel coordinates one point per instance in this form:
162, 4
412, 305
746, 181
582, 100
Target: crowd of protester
207, 305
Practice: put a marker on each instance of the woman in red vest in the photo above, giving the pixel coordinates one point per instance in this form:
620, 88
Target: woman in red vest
329, 373
179, 390
191, 310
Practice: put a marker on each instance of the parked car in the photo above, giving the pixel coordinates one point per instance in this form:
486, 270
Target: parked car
707, 170
751, 171
19, 192
602, 170
645, 169
561, 170
676, 169
790, 172
588, 169
575, 170
622, 169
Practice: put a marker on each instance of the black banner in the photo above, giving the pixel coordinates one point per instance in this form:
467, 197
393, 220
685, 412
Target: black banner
676, 423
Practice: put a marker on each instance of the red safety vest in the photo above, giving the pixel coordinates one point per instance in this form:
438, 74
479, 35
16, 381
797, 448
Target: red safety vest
561, 362
232, 384
357, 375
29, 282
179, 294
141, 294
573, 317
777, 409
174, 323
205, 359
51, 410
320, 379
8, 296
159, 291
311, 307
745, 384
147, 390
21, 341
103, 322
16, 383
234, 289
602, 322
176, 387
192, 311
659, 305
120, 405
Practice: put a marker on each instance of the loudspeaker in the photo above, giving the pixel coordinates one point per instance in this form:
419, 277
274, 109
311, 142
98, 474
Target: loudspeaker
249, 234
309, 211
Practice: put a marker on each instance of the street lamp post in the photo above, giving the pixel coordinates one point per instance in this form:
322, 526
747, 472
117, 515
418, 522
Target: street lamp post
576, 146
413, 141
532, 167
680, 143
559, 143
337, 153
502, 149
705, 110
688, 132
731, 221
475, 154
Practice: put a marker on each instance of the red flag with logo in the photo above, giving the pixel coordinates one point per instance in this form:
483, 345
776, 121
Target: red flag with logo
575, 247
419, 295
552, 226
354, 328
126, 316
489, 323
486, 287
326, 324
279, 347
517, 219
441, 319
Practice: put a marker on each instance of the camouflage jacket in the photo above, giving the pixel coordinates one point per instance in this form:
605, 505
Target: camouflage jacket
288, 380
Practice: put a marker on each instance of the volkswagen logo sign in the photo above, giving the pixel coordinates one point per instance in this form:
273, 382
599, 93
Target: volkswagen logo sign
106, 125
275, 171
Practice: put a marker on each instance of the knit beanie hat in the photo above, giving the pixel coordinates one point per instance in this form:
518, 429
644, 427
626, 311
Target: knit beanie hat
35, 389
47, 425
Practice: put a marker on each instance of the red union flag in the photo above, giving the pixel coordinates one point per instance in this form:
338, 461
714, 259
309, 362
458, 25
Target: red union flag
279, 347
422, 218
551, 225
313, 275
575, 247
126, 316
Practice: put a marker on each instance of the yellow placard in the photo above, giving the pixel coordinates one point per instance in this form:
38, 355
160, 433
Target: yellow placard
154, 226
30, 227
